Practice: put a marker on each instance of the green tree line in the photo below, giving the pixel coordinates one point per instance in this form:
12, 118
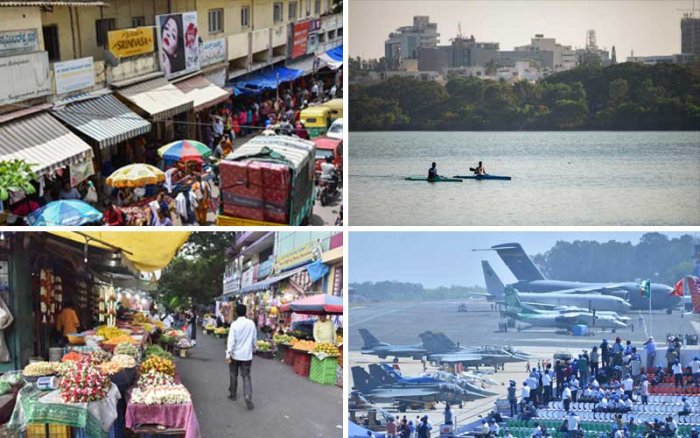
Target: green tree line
400, 291
626, 96
613, 261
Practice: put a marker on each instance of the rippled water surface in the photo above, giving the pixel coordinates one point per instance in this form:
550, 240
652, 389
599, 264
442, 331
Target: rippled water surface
559, 178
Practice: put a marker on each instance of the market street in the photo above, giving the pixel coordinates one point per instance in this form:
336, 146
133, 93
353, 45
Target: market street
286, 405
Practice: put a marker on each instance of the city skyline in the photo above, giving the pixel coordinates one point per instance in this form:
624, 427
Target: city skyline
513, 23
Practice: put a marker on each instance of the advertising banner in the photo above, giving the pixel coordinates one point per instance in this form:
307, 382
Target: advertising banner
248, 277
28, 74
300, 37
298, 256
212, 52
178, 43
74, 75
18, 41
124, 43
81, 171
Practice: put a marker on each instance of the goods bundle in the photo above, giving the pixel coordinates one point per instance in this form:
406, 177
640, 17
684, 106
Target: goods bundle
83, 383
156, 350
159, 364
256, 190
154, 378
161, 395
128, 349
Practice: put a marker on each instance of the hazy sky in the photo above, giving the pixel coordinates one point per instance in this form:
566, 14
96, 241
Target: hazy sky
648, 27
446, 258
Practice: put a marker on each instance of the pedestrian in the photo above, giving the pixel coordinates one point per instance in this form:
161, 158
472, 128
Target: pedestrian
605, 353
650, 348
391, 428
572, 424
448, 414
644, 390
525, 393
242, 339
68, 192
67, 321
694, 366
193, 326
583, 366
566, 397
512, 399
671, 357
547, 384
677, 374
595, 357
202, 193
186, 205
424, 428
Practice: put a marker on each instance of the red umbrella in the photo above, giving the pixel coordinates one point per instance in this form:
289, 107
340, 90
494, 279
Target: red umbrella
315, 305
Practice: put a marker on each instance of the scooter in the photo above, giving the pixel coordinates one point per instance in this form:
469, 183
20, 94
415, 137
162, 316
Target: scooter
328, 189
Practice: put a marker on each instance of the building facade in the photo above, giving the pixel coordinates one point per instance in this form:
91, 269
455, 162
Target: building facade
690, 35
406, 42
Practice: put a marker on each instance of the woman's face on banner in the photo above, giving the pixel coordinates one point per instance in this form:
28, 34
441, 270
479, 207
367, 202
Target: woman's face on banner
169, 36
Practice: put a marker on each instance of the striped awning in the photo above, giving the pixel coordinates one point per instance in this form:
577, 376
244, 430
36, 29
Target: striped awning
40, 139
204, 93
158, 98
104, 119
262, 285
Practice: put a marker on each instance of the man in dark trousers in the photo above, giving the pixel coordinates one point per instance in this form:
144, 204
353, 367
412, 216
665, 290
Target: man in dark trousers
242, 339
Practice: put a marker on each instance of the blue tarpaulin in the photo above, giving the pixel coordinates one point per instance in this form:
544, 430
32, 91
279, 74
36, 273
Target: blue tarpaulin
333, 57
258, 82
336, 53
317, 270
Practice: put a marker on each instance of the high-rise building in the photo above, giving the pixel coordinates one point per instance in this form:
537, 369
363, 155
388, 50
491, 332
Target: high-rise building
406, 41
563, 58
690, 35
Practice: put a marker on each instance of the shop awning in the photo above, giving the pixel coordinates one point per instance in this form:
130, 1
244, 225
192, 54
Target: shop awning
202, 92
42, 140
265, 80
306, 65
316, 305
262, 285
104, 119
333, 57
158, 98
146, 251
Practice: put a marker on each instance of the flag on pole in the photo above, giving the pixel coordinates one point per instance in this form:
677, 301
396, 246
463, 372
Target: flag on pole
679, 288
645, 288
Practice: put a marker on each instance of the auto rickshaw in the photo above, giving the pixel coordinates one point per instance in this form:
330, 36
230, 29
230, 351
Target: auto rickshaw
316, 120
336, 106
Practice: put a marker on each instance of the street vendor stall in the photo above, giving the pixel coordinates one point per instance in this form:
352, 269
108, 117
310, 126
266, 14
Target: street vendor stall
131, 177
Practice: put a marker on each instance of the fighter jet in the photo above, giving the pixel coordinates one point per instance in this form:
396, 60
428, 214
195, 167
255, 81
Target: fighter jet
372, 345
386, 374
552, 318
550, 300
406, 393
530, 279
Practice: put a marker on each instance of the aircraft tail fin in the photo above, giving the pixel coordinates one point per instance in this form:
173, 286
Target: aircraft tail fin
362, 380
514, 256
380, 374
368, 339
512, 298
494, 285
437, 342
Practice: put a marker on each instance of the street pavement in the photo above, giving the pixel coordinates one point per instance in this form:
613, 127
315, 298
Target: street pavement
286, 405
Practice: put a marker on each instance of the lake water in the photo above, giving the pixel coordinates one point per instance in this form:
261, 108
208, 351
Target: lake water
559, 178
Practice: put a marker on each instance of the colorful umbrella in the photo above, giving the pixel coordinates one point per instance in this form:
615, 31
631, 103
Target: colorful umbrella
315, 305
67, 213
136, 175
186, 150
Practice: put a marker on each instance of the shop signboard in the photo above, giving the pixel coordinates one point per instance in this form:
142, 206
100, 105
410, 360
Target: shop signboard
178, 43
298, 256
213, 52
18, 41
312, 44
248, 277
338, 280
265, 268
81, 171
74, 75
300, 37
28, 74
124, 43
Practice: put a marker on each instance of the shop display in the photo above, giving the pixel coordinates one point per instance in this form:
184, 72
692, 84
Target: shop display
263, 346
108, 332
38, 369
123, 360
121, 339
110, 368
326, 349
108, 306
98, 357
303, 345
283, 339
127, 348
82, 294
161, 395
159, 364
154, 378
156, 350
83, 383
184, 343
72, 356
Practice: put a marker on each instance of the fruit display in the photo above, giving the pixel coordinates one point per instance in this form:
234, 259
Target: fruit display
140, 318
83, 383
303, 345
110, 368
210, 327
173, 333
108, 332
167, 340
38, 369
339, 339
128, 349
157, 350
12, 378
161, 395
72, 356
154, 378
122, 338
263, 346
221, 331
283, 339
159, 364
326, 348
98, 357
123, 360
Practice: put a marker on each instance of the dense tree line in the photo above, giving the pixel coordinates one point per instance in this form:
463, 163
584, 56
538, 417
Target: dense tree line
400, 291
615, 261
626, 96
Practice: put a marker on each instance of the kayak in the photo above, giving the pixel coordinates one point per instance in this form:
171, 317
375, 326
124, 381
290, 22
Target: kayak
438, 179
504, 178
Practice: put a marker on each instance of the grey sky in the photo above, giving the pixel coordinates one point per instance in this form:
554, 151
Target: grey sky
647, 27
446, 258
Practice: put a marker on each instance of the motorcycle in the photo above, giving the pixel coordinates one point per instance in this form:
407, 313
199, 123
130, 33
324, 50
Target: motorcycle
328, 188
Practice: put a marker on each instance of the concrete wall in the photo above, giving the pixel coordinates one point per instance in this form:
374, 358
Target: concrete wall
22, 18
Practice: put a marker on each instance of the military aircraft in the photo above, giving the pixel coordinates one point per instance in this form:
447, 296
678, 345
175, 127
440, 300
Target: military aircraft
406, 393
552, 318
530, 279
550, 300
372, 345
386, 374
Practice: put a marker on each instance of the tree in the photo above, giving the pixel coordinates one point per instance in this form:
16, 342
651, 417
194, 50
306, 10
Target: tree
16, 176
618, 91
337, 6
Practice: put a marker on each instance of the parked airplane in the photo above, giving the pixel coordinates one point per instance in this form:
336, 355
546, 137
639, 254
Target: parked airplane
372, 345
386, 374
552, 318
591, 301
530, 279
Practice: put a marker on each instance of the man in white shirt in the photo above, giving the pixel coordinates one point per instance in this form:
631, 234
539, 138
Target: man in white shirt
572, 423
628, 385
546, 386
242, 339
525, 394
695, 369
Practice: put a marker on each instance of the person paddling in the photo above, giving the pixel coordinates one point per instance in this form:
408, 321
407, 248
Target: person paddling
479, 170
432, 172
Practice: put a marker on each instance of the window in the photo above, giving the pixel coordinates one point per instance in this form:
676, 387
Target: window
51, 42
308, 7
138, 21
216, 20
317, 6
101, 29
277, 14
328, 6
292, 11
245, 16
